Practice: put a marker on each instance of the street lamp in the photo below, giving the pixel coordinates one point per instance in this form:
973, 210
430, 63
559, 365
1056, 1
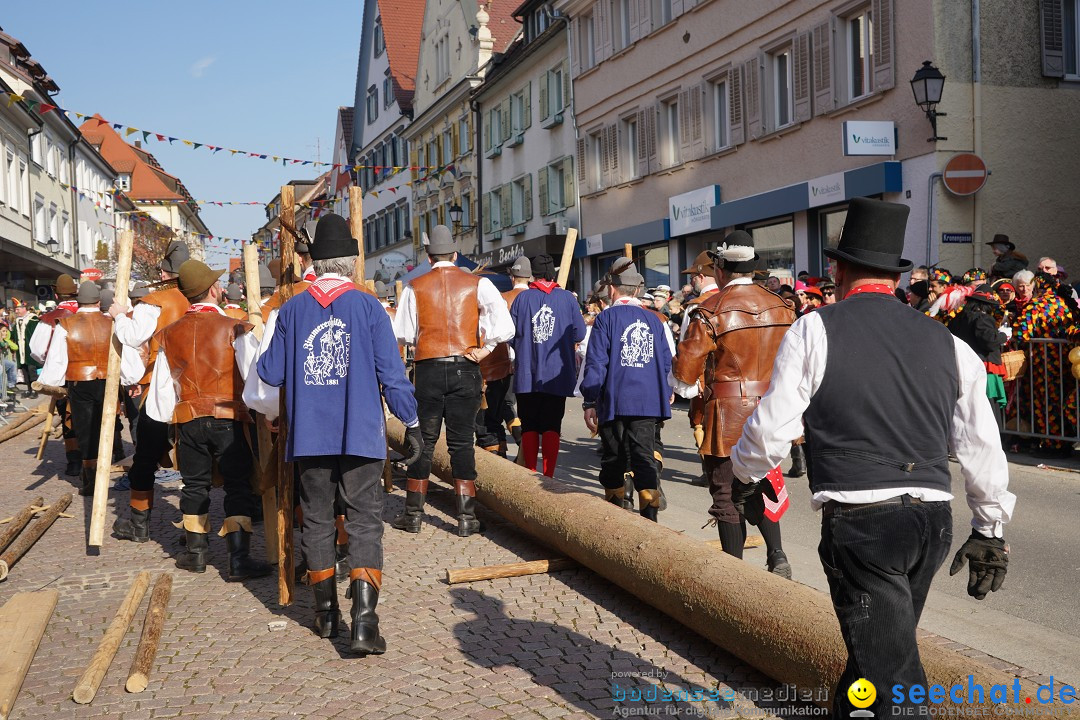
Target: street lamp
927, 85
52, 246
455, 213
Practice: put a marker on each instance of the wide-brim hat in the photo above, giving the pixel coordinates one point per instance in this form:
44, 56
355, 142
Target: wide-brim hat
266, 278
736, 254
233, 292
175, 255
702, 265
65, 285
196, 278
333, 239
873, 236
139, 289
89, 293
985, 294
1002, 239
919, 288
521, 268
384, 291
441, 241
627, 276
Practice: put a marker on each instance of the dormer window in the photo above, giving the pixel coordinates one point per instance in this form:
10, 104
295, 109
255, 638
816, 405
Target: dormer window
124, 182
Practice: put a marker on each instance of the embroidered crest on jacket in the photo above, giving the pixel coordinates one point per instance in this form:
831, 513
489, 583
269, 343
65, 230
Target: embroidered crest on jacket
327, 361
637, 345
543, 324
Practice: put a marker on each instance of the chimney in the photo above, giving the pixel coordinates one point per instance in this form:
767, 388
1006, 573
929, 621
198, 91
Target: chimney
138, 143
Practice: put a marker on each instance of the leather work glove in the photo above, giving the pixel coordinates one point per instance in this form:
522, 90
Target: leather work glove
415, 442
987, 559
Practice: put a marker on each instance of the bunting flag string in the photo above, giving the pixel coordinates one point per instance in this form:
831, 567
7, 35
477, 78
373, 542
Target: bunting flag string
116, 193
42, 108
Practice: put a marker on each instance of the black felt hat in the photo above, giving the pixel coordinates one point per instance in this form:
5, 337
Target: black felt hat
873, 236
543, 267
986, 295
736, 254
175, 256
1002, 239
333, 239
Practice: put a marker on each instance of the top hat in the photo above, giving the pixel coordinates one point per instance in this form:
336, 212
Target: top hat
1001, 239
196, 278
333, 239
175, 255
543, 267
703, 265
441, 241
65, 285
873, 236
89, 293
521, 268
736, 254
234, 293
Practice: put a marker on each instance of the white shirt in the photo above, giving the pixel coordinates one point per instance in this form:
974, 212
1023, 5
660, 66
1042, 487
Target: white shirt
54, 372
259, 396
797, 375
162, 394
709, 286
135, 330
495, 323
692, 390
39, 341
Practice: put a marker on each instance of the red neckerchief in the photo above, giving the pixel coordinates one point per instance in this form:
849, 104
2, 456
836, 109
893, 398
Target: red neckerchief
546, 285
328, 289
879, 288
310, 276
204, 307
69, 305
627, 301
232, 306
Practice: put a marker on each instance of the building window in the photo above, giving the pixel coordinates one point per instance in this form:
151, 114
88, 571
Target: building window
669, 133
1070, 35
860, 60
40, 228
24, 183
37, 149
620, 35
442, 59
387, 90
586, 41
495, 209
629, 148
721, 137
50, 156
5, 169
124, 182
372, 104
54, 224
597, 158
65, 233
466, 210
447, 146
464, 136
517, 201
518, 106
556, 179
380, 39
661, 13
781, 81
552, 97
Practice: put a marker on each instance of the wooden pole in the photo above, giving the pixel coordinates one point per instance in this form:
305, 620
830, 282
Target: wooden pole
19, 522
567, 256
24, 543
88, 684
47, 430
267, 486
356, 225
112, 395
139, 677
493, 572
22, 623
286, 578
628, 251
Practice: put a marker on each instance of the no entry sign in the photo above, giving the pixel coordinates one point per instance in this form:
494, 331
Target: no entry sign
965, 174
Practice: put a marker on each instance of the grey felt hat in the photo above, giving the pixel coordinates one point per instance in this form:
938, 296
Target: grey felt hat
234, 293
175, 256
89, 293
627, 276
441, 241
521, 268
139, 289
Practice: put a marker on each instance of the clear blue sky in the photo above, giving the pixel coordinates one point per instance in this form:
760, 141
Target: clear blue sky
265, 76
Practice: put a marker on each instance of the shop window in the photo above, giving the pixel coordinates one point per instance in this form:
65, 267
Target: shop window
654, 264
830, 224
775, 243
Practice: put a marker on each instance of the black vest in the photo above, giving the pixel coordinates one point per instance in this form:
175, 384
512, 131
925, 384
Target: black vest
882, 415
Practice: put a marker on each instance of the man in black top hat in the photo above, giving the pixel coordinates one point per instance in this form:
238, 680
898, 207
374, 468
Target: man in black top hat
879, 454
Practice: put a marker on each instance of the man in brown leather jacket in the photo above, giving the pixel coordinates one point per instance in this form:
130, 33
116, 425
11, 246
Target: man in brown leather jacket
454, 319
79, 356
732, 338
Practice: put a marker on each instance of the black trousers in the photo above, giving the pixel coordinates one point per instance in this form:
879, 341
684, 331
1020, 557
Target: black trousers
71, 440
880, 560
450, 391
541, 412
86, 399
202, 441
355, 482
151, 443
491, 429
131, 412
628, 442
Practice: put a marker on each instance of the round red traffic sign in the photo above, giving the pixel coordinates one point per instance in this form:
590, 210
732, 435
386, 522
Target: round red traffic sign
965, 174
91, 274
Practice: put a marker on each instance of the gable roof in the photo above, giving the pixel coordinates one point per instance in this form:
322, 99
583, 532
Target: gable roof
402, 21
345, 117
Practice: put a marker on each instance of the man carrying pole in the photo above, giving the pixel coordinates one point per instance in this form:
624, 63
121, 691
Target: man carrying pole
68, 305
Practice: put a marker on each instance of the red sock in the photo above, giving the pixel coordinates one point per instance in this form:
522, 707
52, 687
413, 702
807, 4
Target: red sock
550, 441
530, 447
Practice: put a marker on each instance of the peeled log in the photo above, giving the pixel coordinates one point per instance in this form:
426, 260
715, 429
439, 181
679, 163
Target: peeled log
784, 629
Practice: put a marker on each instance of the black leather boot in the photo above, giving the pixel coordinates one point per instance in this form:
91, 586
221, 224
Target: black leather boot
194, 557
241, 565
366, 639
341, 561
327, 614
411, 519
86, 477
649, 502
798, 462
73, 467
465, 492
135, 527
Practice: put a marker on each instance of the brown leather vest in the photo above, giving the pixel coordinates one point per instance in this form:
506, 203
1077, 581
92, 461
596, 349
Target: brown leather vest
498, 364
88, 338
743, 327
54, 316
235, 313
447, 313
173, 305
201, 359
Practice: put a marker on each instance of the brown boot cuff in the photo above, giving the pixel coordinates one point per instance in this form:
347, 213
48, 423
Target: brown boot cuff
371, 576
141, 499
315, 576
465, 487
416, 485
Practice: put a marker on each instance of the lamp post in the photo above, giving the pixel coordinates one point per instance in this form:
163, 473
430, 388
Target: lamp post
927, 86
455, 217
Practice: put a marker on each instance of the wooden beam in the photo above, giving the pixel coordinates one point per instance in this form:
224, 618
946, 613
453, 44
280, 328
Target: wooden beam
493, 572
567, 256
22, 623
47, 430
139, 677
284, 489
24, 423
19, 522
112, 396
628, 251
24, 543
356, 226
88, 684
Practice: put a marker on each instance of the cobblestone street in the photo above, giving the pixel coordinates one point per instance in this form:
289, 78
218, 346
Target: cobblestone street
545, 646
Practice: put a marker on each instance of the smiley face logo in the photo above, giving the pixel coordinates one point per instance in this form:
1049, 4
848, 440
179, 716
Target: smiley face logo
862, 693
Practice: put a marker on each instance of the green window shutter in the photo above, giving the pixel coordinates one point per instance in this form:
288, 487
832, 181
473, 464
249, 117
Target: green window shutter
568, 181
527, 203
542, 180
544, 114
526, 110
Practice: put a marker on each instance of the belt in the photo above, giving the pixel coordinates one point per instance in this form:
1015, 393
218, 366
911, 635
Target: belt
739, 388
831, 507
450, 359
